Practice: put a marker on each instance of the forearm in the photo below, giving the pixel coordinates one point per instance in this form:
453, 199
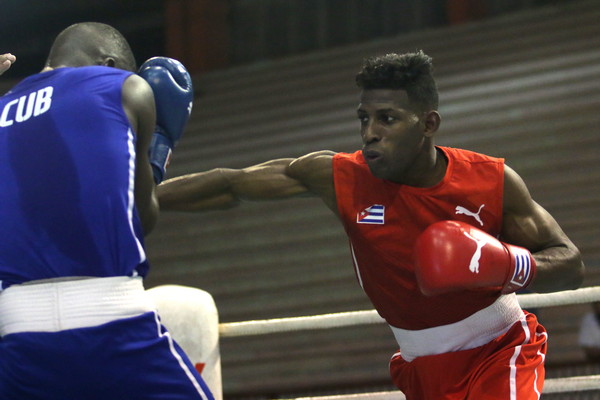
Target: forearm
558, 268
148, 215
146, 201
203, 191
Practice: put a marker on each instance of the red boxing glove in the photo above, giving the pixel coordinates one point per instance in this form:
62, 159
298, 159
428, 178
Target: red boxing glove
452, 256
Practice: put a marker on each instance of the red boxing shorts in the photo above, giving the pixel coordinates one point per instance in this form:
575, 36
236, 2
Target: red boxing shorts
510, 367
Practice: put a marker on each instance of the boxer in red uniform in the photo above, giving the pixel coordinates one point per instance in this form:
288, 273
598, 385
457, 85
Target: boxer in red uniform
441, 238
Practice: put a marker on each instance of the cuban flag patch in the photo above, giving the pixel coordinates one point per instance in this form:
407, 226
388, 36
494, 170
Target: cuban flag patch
523, 268
372, 215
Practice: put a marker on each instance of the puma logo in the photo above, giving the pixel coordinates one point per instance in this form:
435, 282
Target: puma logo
474, 264
462, 210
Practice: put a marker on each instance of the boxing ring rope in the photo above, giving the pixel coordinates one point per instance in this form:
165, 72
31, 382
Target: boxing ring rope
556, 385
337, 320
342, 319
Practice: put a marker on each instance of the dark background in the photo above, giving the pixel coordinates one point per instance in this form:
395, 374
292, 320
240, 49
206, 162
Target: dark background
241, 31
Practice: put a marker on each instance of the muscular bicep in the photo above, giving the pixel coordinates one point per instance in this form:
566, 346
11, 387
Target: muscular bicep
525, 222
268, 181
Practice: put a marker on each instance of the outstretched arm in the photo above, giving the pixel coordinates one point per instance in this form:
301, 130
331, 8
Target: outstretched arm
223, 188
527, 224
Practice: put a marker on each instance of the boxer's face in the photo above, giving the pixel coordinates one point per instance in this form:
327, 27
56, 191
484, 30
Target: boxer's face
392, 133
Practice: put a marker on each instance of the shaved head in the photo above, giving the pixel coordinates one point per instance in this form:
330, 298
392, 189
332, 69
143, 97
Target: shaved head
91, 43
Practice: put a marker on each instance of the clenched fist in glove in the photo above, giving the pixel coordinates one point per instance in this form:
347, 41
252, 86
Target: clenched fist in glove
173, 94
451, 256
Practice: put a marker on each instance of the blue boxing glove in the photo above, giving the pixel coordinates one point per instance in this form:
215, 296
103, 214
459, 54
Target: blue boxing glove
173, 95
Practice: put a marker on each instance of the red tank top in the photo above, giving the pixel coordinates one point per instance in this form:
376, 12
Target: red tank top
383, 219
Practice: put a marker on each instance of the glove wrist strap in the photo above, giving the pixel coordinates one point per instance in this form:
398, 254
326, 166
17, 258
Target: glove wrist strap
522, 269
160, 152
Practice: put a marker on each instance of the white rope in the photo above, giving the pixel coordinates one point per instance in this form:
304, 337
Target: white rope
264, 326
360, 396
534, 300
564, 298
557, 385
335, 320
572, 384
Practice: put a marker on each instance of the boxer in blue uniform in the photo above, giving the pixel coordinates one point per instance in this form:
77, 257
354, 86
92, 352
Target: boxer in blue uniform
79, 166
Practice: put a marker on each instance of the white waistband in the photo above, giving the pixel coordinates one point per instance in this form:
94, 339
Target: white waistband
57, 306
473, 331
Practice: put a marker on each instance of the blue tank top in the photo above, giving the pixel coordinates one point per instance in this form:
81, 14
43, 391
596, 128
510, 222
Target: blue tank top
67, 165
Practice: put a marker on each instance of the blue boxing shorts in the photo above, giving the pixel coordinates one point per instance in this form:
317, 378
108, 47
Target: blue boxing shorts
61, 353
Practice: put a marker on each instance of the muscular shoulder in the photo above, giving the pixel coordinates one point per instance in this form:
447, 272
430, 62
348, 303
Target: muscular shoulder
315, 171
317, 160
516, 199
311, 167
138, 101
137, 91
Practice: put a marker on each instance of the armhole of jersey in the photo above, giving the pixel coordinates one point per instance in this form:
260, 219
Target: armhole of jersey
501, 196
336, 161
125, 77
131, 209
451, 162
